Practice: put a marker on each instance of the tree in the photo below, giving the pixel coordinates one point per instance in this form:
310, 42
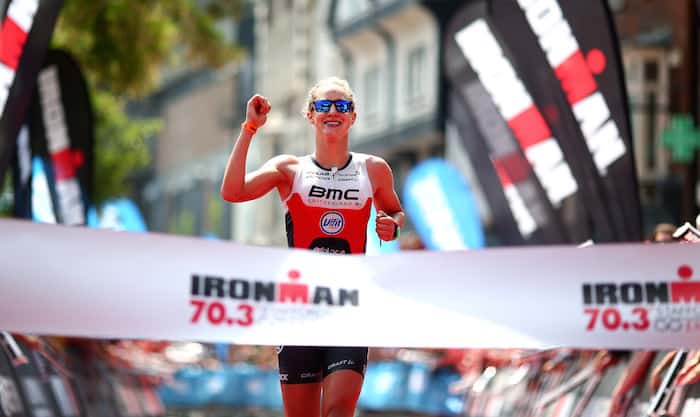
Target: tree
123, 47
121, 146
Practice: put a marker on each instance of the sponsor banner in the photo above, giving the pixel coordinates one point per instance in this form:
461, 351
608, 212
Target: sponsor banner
505, 222
61, 132
545, 89
441, 206
593, 215
22, 175
631, 296
24, 37
118, 214
527, 161
604, 59
584, 91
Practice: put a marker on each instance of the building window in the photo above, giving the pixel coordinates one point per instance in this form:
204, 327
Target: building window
651, 71
416, 75
646, 73
372, 94
651, 131
350, 10
617, 6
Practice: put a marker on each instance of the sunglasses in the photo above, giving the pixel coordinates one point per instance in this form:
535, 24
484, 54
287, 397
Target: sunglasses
324, 106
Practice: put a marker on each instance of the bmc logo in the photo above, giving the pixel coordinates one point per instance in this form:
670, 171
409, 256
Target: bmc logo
333, 193
332, 223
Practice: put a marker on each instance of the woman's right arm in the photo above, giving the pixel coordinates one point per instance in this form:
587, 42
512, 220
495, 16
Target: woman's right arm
237, 186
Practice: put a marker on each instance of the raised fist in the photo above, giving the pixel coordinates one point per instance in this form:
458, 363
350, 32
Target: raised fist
256, 110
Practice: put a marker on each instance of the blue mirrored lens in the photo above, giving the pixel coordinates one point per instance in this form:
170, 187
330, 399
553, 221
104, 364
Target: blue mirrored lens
323, 106
343, 106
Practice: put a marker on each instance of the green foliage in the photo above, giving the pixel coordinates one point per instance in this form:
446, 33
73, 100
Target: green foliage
6, 197
123, 47
123, 44
121, 146
183, 223
215, 214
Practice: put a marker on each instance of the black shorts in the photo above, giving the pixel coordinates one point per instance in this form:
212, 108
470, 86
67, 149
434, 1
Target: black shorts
308, 364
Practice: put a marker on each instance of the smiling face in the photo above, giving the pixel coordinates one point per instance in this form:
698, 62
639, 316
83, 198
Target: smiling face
332, 124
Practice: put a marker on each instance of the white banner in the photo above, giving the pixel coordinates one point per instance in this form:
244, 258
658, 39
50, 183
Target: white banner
59, 280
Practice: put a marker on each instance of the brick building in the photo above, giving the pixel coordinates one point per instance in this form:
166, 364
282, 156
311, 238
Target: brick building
660, 49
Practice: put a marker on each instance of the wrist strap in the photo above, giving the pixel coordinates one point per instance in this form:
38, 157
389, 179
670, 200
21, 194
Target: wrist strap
397, 231
248, 127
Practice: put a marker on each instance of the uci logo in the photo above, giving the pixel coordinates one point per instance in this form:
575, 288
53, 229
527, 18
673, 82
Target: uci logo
332, 223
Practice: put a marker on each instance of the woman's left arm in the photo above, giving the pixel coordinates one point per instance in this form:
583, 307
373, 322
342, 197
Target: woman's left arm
390, 215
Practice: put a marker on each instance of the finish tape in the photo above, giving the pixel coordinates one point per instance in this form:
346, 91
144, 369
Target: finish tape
59, 280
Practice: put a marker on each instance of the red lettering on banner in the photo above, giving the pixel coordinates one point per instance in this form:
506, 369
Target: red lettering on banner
12, 40
516, 106
66, 162
199, 306
613, 319
576, 78
674, 307
555, 37
502, 175
685, 291
544, 154
13, 37
517, 165
294, 292
596, 61
494, 69
529, 127
216, 313
513, 168
247, 310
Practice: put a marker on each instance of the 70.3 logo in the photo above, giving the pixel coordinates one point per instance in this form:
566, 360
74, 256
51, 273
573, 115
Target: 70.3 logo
612, 319
215, 313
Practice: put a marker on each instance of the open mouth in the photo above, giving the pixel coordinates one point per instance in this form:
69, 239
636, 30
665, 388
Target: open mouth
332, 123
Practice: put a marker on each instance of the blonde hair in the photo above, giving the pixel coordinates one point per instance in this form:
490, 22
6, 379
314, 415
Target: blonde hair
333, 81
